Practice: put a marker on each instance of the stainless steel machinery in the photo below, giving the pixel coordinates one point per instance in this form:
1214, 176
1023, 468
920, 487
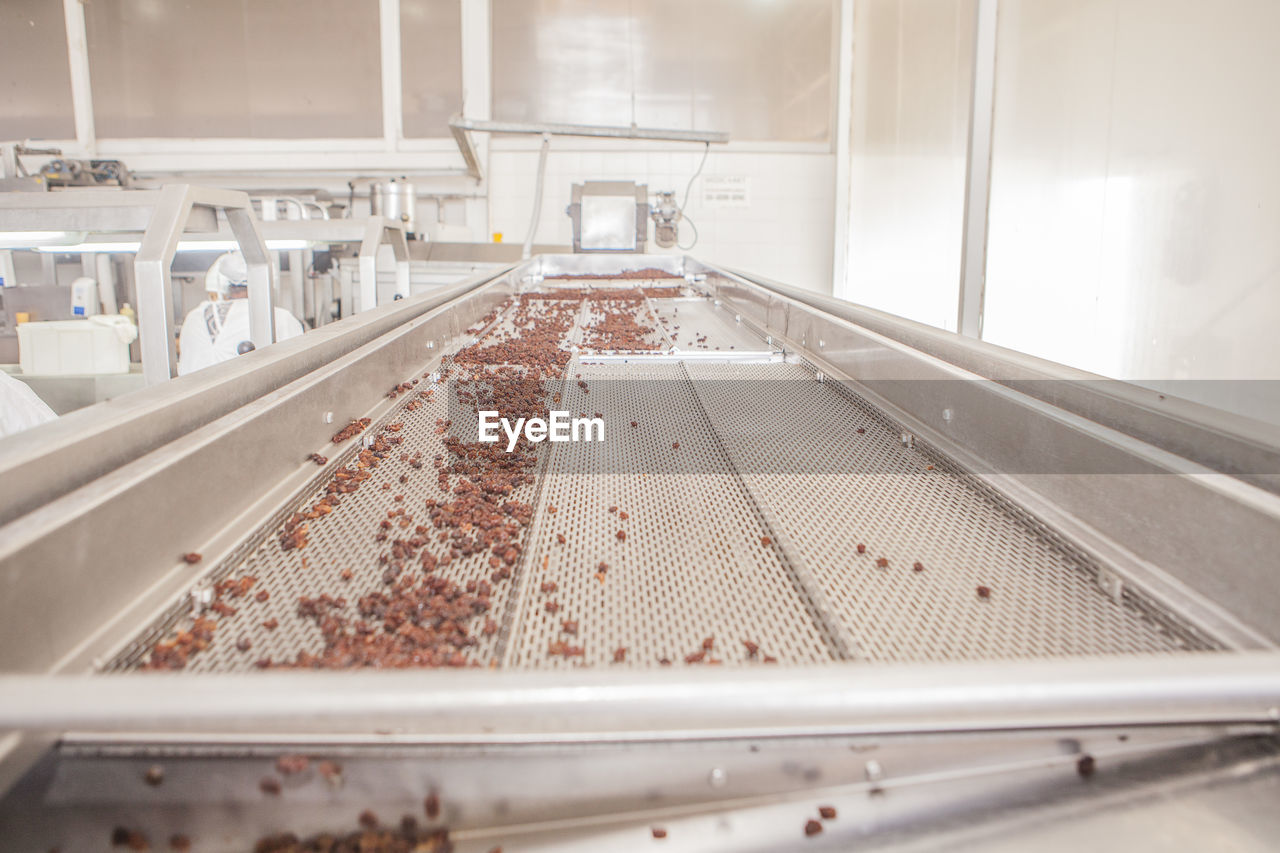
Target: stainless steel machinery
831, 580
609, 216
395, 200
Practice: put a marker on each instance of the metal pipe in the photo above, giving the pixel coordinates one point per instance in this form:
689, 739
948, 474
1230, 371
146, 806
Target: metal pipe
81, 85
303, 213
612, 132
461, 128
973, 256
481, 706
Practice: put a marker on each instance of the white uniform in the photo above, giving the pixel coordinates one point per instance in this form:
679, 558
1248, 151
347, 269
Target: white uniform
20, 408
213, 332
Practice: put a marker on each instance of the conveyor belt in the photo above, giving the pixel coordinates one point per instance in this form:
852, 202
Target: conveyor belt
692, 566
741, 545
912, 509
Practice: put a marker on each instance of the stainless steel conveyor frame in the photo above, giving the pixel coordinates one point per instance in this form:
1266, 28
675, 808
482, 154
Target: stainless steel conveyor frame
163, 216
1175, 502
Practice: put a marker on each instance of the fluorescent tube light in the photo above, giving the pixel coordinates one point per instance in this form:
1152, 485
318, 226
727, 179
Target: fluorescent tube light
35, 239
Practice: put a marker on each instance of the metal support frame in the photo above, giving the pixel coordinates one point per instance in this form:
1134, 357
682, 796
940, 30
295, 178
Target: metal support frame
1015, 792
844, 152
523, 707
467, 147
462, 128
299, 303
977, 195
370, 232
346, 292
476, 25
379, 230
389, 40
163, 216
155, 288
81, 88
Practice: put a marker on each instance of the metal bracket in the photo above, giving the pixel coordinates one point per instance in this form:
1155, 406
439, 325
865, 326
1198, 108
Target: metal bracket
1112, 584
379, 230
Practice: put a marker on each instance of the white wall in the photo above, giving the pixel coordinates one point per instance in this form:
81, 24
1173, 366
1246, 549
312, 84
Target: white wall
1134, 223
910, 120
1135, 201
784, 233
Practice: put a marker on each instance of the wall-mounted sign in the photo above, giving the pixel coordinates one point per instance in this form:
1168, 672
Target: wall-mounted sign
726, 191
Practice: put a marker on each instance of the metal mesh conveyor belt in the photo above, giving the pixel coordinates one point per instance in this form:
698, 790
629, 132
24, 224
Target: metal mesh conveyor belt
340, 541
910, 507
274, 629
692, 566
746, 532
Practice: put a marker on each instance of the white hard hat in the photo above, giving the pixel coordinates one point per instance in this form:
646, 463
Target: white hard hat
228, 271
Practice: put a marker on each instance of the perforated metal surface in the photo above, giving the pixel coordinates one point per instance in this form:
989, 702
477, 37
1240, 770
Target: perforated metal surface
743, 533
692, 566
344, 540
909, 507
697, 324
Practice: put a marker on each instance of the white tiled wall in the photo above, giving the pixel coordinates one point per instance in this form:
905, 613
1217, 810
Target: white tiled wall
784, 233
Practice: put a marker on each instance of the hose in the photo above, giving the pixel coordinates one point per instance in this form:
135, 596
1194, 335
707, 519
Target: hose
689, 186
537, 197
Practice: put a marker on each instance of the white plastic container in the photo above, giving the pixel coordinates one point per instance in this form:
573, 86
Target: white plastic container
84, 297
60, 347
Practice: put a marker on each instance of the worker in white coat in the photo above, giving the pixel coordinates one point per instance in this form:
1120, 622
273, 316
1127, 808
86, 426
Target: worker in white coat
20, 408
218, 328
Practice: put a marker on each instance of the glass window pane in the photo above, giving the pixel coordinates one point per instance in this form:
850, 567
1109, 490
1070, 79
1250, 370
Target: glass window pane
761, 71
431, 65
35, 94
1133, 216
249, 68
